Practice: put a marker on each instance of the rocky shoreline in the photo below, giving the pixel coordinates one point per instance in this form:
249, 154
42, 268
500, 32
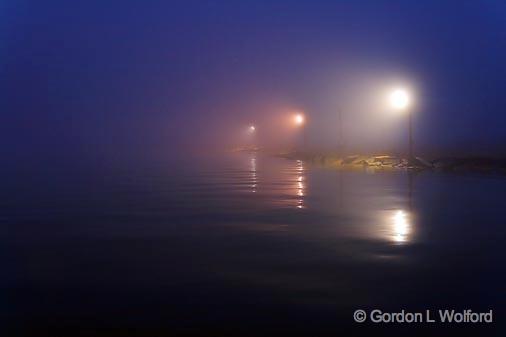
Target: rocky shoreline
451, 164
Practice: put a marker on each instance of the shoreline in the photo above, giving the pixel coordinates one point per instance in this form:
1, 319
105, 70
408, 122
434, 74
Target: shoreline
481, 164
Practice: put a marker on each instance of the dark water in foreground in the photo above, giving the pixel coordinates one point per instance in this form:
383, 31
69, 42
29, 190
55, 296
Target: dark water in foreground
249, 246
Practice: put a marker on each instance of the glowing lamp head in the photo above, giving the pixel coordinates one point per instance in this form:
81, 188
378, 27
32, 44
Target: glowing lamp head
252, 128
399, 99
299, 119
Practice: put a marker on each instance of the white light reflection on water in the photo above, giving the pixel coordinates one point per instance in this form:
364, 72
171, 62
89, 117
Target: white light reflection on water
253, 172
300, 184
400, 226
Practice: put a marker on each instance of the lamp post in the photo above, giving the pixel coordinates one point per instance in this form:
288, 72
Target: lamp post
399, 99
300, 120
252, 130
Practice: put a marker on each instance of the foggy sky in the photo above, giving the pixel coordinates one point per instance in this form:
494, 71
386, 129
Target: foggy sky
98, 79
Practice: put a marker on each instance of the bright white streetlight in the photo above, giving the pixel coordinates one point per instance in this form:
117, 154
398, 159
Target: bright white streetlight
252, 128
399, 99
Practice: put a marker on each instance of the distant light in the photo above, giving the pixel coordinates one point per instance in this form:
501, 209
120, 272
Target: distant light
399, 99
252, 128
299, 119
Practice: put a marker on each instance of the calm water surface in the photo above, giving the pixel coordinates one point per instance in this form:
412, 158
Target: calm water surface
247, 245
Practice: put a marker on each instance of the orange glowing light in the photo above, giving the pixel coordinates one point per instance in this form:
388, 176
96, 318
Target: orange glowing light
299, 119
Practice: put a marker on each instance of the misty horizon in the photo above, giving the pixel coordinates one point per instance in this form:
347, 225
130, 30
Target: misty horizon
102, 81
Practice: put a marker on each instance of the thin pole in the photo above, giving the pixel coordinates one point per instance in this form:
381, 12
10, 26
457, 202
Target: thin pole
341, 136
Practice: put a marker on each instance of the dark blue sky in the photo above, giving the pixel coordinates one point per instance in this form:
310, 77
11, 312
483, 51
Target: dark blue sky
104, 78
